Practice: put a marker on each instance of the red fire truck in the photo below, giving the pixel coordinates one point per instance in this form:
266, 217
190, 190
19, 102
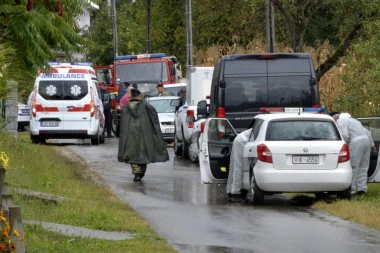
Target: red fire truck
136, 68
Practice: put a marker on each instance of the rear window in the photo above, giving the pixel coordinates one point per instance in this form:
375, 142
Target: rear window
302, 130
63, 90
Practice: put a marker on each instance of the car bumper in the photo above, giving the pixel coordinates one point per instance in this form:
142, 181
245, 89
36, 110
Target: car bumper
275, 180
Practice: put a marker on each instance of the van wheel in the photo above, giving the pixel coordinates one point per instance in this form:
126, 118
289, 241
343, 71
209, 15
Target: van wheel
96, 140
185, 147
257, 195
177, 144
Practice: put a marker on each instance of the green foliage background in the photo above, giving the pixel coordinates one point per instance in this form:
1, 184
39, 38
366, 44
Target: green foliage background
341, 35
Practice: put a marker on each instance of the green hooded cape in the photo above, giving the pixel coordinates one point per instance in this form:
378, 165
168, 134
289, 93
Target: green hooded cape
140, 139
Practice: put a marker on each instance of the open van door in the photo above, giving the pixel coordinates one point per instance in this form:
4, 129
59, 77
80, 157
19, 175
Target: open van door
215, 148
373, 125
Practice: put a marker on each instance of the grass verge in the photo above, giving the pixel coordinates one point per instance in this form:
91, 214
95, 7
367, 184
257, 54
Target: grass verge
85, 204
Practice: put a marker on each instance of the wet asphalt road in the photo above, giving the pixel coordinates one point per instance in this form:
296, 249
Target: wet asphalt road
195, 217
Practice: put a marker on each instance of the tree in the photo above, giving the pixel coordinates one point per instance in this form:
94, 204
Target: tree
345, 22
33, 32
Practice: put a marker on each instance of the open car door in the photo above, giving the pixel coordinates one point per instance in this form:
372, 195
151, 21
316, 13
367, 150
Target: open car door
215, 148
373, 125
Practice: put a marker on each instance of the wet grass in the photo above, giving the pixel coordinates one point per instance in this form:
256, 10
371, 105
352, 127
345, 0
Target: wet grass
362, 209
86, 203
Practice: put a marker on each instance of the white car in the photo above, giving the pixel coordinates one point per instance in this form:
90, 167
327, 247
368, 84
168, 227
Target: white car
23, 116
286, 152
165, 109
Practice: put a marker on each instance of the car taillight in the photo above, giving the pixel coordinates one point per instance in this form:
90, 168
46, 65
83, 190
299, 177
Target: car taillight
92, 110
34, 111
221, 112
264, 154
190, 118
344, 154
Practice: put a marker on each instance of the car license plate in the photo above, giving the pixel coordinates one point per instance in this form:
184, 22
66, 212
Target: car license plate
169, 130
25, 111
305, 159
49, 124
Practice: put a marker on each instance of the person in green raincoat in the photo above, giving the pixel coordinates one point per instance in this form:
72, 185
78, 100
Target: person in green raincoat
140, 139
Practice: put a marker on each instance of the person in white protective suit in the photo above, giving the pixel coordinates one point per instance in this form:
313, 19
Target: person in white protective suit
360, 144
237, 163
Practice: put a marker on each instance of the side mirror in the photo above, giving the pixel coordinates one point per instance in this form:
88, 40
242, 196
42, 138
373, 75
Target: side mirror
118, 81
202, 109
173, 71
312, 82
222, 84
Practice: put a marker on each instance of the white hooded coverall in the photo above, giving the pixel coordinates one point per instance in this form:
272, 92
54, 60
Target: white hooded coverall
359, 141
237, 162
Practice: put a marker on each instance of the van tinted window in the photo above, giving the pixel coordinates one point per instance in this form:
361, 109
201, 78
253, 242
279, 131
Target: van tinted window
63, 90
251, 93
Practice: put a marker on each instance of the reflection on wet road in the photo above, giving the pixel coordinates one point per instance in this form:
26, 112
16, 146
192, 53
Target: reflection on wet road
195, 217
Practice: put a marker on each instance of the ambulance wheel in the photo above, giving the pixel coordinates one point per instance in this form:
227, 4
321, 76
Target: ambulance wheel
101, 139
185, 147
257, 195
177, 144
95, 141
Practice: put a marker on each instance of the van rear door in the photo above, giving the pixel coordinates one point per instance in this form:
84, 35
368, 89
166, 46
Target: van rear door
66, 104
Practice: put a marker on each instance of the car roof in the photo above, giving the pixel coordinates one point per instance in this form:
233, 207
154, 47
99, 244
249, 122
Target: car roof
275, 116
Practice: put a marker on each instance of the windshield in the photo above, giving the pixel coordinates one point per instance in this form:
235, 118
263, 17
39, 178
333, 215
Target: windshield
162, 105
252, 93
142, 71
63, 90
302, 130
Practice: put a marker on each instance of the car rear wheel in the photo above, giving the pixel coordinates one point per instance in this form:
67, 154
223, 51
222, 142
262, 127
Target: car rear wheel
257, 195
346, 194
177, 144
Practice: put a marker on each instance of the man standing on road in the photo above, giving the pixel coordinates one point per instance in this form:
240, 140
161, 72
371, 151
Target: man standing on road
106, 100
360, 144
140, 140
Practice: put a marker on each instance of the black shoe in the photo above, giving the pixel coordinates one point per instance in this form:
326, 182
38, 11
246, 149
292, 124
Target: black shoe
360, 193
137, 177
235, 197
142, 175
109, 136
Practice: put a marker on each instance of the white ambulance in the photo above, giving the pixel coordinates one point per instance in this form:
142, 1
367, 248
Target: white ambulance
66, 104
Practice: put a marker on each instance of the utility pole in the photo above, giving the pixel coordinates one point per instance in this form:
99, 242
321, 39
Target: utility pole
148, 26
189, 44
114, 28
269, 11
189, 36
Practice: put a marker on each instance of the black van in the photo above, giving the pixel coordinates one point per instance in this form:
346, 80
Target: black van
242, 85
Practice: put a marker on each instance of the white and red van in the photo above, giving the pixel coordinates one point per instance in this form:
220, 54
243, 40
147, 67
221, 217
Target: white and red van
66, 104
